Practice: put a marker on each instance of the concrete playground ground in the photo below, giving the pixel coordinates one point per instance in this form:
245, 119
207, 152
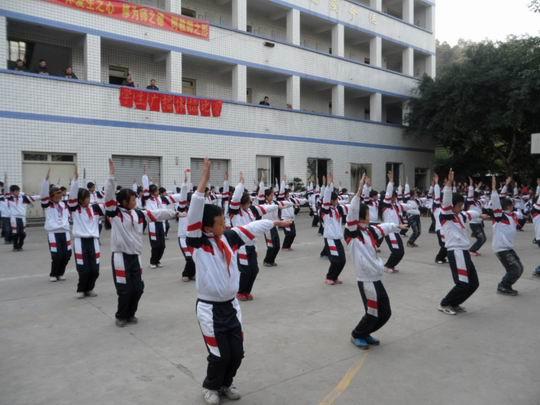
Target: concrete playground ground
56, 349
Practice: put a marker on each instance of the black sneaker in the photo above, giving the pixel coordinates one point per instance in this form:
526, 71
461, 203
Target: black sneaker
121, 323
507, 290
134, 320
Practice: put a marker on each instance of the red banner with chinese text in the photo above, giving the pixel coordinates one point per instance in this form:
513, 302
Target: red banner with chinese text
143, 15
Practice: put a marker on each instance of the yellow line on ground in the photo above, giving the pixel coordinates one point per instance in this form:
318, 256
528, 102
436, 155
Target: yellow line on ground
344, 383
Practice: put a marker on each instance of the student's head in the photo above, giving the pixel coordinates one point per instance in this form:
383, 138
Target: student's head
334, 199
287, 192
139, 190
42, 63
15, 190
153, 190
127, 198
269, 195
20, 63
91, 187
153, 82
363, 214
245, 201
129, 78
373, 194
162, 190
507, 204
266, 98
69, 70
213, 220
55, 194
458, 202
63, 190
83, 196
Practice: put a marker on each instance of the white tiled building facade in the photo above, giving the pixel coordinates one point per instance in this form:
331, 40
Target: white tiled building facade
338, 74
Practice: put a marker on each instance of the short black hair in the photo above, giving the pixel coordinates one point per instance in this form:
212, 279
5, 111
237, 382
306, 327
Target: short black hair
364, 211
162, 190
457, 199
506, 203
124, 195
82, 194
153, 188
373, 193
268, 192
210, 213
89, 185
14, 188
245, 198
334, 196
63, 188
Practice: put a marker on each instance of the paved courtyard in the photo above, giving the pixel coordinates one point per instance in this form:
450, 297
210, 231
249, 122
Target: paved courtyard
56, 350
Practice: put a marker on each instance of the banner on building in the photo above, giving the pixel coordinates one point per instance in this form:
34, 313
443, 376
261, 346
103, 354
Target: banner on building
143, 15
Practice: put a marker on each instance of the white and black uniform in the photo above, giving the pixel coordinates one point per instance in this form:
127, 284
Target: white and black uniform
477, 224
288, 214
413, 215
182, 207
332, 217
218, 311
156, 230
57, 228
17, 216
436, 210
393, 212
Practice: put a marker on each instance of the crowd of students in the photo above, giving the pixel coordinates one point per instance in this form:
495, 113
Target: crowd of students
217, 231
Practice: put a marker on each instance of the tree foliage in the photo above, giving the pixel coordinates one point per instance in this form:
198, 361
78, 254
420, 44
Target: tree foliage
484, 108
534, 5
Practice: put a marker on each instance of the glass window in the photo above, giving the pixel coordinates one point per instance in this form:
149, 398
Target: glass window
35, 156
62, 158
17, 50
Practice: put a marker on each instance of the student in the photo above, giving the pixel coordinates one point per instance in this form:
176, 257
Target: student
17, 203
371, 199
42, 68
242, 212
393, 212
126, 245
86, 219
265, 101
504, 234
289, 214
188, 274
331, 214
218, 311
413, 215
57, 228
477, 224
453, 221
5, 222
442, 255
535, 214
156, 229
20, 66
363, 240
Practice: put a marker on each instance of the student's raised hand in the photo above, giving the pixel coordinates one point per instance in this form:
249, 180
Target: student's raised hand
435, 178
471, 182
145, 167
508, 180
282, 223
242, 177
112, 167
493, 183
46, 176
390, 175
403, 227
226, 176
450, 178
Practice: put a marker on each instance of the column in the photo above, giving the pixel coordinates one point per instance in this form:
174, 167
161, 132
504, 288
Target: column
293, 92
239, 14
375, 107
376, 4
408, 62
173, 6
293, 26
92, 58
338, 40
338, 100
431, 66
408, 11
375, 51
430, 18
239, 83
3, 43
174, 72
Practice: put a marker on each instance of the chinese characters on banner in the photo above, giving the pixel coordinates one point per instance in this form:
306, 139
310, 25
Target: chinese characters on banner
142, 15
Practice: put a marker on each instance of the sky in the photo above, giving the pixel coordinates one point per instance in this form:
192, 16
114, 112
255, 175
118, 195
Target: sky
480, 19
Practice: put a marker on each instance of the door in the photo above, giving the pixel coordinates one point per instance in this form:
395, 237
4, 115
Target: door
130, 169
357, 169
396, 167
219, 167
35, 166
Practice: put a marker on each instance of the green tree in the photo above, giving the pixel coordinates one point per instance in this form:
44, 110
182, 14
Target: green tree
483, 109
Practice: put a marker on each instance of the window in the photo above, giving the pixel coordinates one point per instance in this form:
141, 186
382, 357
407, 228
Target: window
189, 12
189, 86
357, 169
62, 158
367, 61
117, 74
317, 168
396, 168
17, 50
48, 157
31, 156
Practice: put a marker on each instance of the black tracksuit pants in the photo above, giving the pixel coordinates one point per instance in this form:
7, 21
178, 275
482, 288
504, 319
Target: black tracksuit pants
18, 232
248, 267
60, 248
156, 233
6, 230
512, 264
221, 326
464, 275
87, 256
416, 226
480, 236
377, 307
290, 235
127, 275
395, 244
442, 254
189, 267
272, 246
336, 255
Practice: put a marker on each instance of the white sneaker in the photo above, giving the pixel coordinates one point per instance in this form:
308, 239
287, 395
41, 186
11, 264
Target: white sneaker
153, 266
159, 265
230, 393
185, 279
61, 278
53, 279
79, 295
210, 397
448, 310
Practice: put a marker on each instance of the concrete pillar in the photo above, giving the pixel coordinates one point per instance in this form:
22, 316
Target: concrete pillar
431, 66
174, 72
3, 43
92, 58
408, 11
375, 51
338, 100
293, 92
239, 83
430, 18
338, 40
293, 26
375, 107
173, 6
376, 4
408, 62
239, 14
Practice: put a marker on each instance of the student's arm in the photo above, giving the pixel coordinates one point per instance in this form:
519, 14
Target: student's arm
44, 193
111, 205
352, 218
73, 200
234, 206
495, 201
158, 215
389, 188
281, 194
260, 195
240, 235
327, 196
196, 209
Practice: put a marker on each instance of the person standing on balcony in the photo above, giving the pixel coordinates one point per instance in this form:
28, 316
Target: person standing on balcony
128, 81
43, 68
68, 73
20, 66
265, 101
153, 85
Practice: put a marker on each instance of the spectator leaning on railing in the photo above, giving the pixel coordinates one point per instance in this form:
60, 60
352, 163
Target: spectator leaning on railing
128, 81
152, 85
68, 73
42, 68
